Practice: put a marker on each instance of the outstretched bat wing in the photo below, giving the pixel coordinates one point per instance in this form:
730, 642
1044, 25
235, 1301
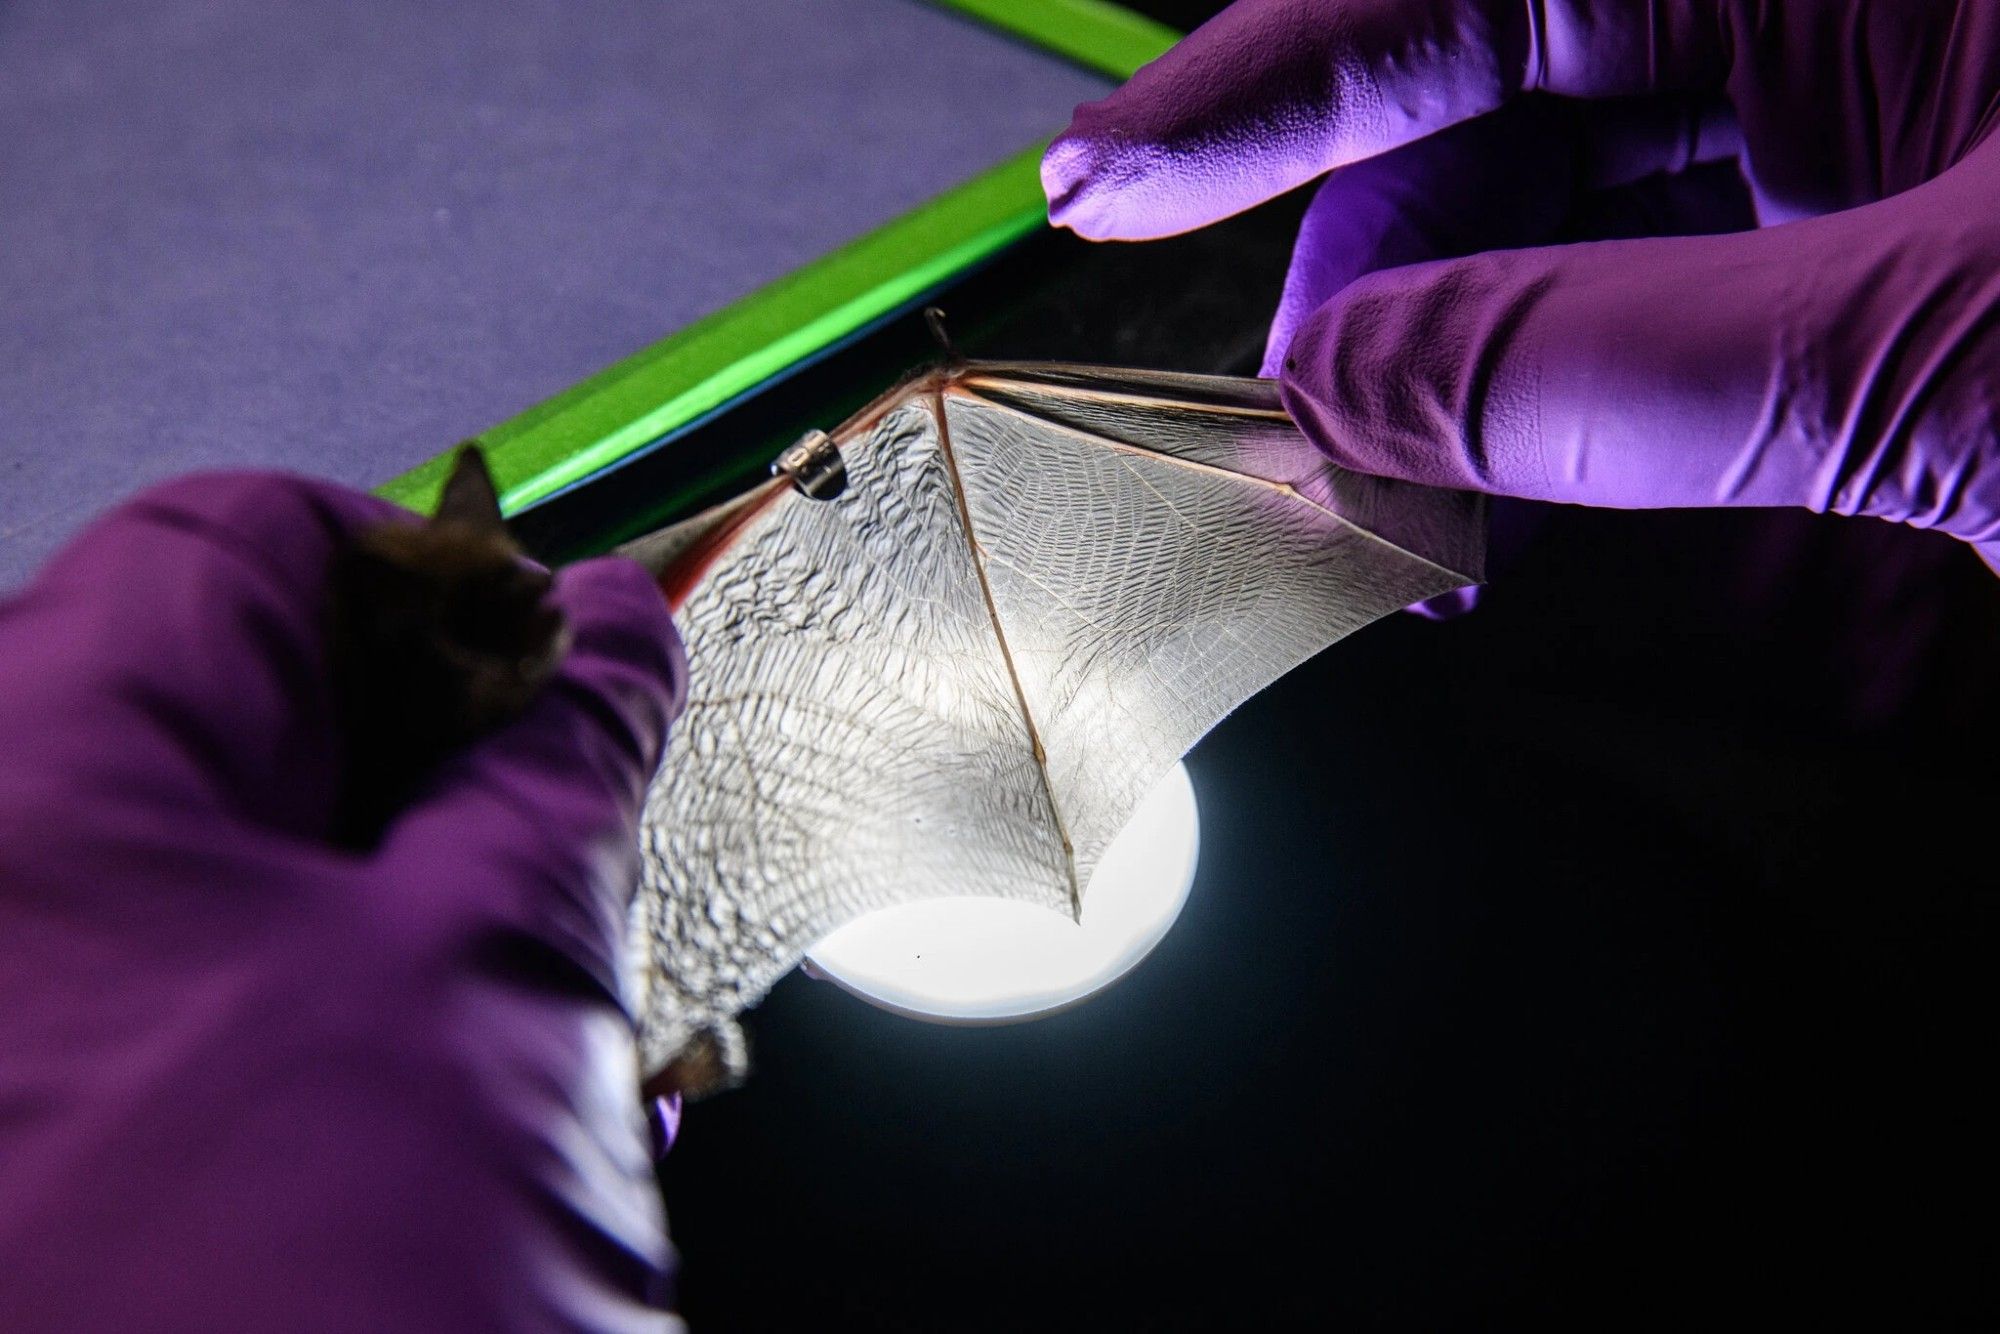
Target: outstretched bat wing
1039, 587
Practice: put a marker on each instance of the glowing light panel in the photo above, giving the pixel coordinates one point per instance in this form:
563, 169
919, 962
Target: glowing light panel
983, 961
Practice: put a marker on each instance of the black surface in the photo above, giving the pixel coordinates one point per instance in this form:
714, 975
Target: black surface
1675, 1015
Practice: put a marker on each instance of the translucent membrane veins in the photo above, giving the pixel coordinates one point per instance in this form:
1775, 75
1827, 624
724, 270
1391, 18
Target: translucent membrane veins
961, 677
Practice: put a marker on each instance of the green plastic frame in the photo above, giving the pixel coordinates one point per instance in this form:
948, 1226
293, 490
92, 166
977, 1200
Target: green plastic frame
690, 373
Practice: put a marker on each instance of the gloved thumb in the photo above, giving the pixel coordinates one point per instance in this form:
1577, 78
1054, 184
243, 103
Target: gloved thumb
1835, 364
531, 835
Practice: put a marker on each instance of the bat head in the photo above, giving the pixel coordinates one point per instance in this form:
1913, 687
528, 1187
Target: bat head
442, 633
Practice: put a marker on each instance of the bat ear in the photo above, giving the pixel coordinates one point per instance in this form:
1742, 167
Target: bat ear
469, 496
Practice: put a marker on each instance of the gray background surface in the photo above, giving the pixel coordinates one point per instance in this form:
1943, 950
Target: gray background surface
337, 238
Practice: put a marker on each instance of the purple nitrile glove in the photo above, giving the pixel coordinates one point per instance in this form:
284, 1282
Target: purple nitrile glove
1842, 357
250, 1080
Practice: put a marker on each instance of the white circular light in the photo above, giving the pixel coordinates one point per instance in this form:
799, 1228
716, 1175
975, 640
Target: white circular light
983, 961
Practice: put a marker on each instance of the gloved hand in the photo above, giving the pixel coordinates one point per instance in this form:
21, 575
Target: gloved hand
1844, 360
251, 1081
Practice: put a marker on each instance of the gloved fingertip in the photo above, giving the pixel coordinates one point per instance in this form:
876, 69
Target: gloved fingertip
1376, 375
615, 603
625, 651
619, 586
1448, 606
1069, 168
665, 1124
1278, 343
1062, 171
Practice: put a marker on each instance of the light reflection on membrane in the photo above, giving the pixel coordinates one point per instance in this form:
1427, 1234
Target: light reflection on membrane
983, 961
